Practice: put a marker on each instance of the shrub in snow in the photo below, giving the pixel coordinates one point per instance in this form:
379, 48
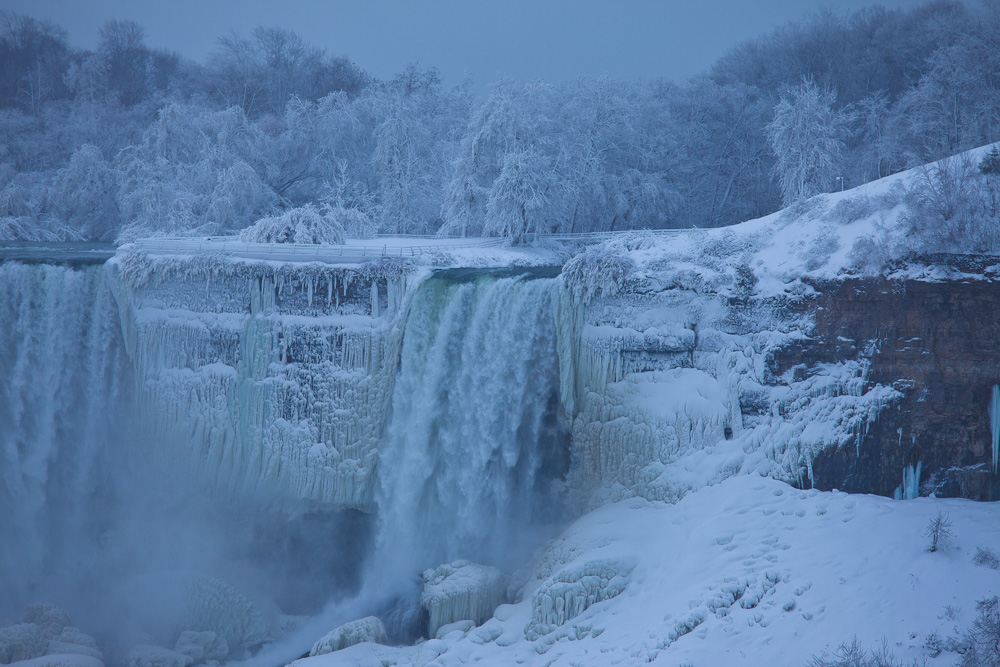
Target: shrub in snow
939, 532
856, 655
298, 225
983, 638
746, 281
368, 629
950, 209
602, 270
986, 557
572, 590
462, 591
872, 253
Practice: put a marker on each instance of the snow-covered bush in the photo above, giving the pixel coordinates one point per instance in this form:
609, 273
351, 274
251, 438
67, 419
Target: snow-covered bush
602, 270
949, 209
298, 225
983, 638
872, 253
368, 629
856, 655
986, 557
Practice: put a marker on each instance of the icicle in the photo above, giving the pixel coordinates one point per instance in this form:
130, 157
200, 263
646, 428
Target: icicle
994, 410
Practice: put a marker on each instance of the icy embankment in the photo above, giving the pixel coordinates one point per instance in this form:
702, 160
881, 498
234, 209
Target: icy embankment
273, 379
749, 571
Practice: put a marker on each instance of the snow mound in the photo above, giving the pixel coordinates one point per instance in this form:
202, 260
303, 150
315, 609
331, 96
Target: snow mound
461, 591
573, 590
368, 629
298, 225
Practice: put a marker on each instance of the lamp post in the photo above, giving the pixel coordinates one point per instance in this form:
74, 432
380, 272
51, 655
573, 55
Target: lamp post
841, 179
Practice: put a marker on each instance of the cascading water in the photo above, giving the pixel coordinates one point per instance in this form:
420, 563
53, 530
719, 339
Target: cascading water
64, 372
108, 523
471, 456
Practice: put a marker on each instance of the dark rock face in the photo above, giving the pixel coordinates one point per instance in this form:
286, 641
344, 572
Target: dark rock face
939, 344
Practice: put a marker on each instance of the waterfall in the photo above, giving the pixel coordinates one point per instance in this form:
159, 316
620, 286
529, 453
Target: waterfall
472, 452
63, 373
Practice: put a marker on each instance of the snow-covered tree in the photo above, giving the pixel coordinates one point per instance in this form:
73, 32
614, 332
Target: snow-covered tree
84, 194
305, 224
806, 137
517, 198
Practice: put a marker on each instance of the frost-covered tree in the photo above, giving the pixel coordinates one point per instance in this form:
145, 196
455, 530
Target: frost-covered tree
806, 137
84, 194
305, 224
517, 199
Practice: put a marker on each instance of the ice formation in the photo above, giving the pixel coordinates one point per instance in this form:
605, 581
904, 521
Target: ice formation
202, 646
169, 604
148, 655
572, 590
462, 591
910, 488
274, 380
656, 387
367, 629
44, 630
468, 461
994, 410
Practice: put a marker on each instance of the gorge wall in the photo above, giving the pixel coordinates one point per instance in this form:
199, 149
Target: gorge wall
937, 344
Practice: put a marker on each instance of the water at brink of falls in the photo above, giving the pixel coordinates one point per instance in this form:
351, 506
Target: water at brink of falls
64, 373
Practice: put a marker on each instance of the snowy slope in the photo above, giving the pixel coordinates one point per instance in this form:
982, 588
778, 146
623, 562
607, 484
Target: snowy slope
746, 572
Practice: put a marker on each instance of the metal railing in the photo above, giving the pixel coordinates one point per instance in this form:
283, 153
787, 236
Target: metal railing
358, 251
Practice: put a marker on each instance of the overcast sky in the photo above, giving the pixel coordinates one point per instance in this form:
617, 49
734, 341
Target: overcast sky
549, 39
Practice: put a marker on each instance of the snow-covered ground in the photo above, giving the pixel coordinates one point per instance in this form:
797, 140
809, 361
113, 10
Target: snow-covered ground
747, 572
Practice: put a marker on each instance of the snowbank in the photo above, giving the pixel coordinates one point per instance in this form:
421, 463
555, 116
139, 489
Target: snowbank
747, 572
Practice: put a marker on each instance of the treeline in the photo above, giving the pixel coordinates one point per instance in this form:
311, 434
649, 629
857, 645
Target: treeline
128, 141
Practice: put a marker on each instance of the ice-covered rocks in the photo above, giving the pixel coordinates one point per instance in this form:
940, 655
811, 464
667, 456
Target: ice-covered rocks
197, 603
147, 655
74, 641
461, 591
45, 630
570, 591
62, 660
22, 641
202, 646
368, 629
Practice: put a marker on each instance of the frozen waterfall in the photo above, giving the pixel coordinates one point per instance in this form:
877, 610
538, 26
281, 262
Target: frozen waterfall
473, 452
